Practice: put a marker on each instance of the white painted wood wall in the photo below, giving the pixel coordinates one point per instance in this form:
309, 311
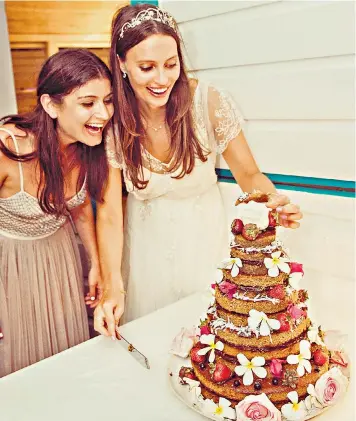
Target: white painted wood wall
290, 67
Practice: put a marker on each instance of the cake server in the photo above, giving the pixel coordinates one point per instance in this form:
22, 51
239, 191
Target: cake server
142, 359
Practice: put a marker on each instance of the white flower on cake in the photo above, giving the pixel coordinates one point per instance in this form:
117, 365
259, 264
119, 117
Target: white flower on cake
296, 410
311, 401
313, 335
212, 346
260, 323
276, 263
194, 388
221, 410
248, 367
331, 386
253, 213
257, 407
233, 263
302, 359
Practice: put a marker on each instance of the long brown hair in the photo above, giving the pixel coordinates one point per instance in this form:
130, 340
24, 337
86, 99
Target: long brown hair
62, 73
185, 146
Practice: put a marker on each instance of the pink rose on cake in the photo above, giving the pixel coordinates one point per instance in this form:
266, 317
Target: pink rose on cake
257, 408
331, 386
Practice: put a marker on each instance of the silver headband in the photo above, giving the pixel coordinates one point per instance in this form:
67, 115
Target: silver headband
151, 13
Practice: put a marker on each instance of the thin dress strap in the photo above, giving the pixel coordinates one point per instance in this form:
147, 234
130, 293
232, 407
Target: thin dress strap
18, 152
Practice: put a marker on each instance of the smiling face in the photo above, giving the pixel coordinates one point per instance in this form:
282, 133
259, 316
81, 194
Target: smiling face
153, 68
84, 113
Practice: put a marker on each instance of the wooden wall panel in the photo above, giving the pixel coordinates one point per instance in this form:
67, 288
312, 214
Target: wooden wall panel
60, 17
26, 65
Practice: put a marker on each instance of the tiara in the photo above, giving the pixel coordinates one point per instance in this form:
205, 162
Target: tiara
156, 14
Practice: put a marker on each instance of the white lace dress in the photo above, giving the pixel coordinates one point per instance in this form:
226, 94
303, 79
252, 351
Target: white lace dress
175, 230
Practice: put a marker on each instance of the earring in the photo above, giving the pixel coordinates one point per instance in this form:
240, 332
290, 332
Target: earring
124, 74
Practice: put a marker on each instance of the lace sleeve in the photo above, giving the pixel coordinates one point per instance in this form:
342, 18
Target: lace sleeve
224, 116
113, 152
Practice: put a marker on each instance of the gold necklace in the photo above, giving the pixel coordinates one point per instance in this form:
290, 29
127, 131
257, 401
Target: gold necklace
156, 129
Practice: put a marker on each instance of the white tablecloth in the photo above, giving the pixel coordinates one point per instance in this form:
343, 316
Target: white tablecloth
100, 379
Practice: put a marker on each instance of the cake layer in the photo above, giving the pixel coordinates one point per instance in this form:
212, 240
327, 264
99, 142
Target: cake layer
250, 300
276, 393
255, 280
280, 351
256, 196
253, 267
244, 254
233, 344
264, 239
208, 394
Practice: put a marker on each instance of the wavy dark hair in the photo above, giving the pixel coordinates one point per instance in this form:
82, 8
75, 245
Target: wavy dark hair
60, 75
185, 146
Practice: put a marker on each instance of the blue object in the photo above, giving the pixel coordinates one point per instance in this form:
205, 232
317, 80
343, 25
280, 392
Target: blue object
314, 185
153, 2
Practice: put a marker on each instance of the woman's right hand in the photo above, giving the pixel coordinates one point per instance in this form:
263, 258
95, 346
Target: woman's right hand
17, 132
108, 312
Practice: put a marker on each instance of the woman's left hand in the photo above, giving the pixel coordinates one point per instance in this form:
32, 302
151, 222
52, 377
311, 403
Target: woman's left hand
94, 280
288, 213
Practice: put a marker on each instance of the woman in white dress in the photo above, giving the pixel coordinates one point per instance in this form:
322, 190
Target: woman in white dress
168, 132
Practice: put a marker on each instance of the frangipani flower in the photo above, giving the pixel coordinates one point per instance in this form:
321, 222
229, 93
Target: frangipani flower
296, 410
276, 263
302, 359
311, 400
260, 323
210, 341
247, 367
313, 335
233, 263
221, 410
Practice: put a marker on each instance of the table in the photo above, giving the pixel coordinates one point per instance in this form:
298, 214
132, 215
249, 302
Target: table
100, 379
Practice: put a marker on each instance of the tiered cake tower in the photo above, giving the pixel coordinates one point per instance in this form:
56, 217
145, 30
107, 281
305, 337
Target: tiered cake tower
256, 343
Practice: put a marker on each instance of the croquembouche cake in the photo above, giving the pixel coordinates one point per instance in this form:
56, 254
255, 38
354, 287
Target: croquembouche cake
256, 354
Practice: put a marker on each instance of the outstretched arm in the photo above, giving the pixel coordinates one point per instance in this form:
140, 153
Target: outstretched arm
83, 219
226, 123
240, 160
109, 227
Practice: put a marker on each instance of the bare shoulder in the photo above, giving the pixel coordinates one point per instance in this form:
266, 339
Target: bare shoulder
24, 144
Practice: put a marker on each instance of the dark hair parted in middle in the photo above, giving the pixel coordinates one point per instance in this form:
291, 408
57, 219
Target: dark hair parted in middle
61, 74
185, 147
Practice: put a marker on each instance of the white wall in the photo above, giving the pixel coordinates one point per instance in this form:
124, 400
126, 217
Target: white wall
290, 67
7, 88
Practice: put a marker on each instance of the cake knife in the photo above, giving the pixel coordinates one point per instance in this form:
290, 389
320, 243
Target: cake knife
142, 359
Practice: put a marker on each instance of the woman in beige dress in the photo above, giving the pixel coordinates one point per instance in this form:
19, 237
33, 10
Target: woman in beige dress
46, 177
